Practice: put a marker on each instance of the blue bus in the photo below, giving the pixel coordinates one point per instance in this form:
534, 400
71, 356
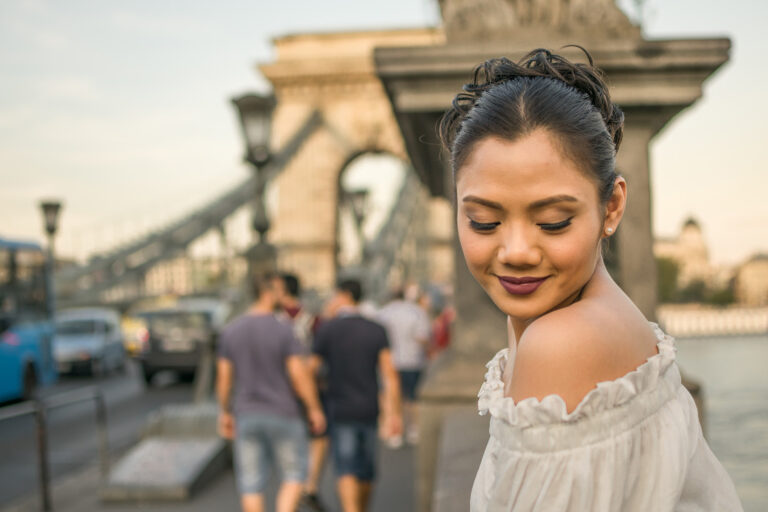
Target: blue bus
26, 326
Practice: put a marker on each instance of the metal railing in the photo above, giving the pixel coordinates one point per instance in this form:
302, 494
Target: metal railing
39, 408
685, 321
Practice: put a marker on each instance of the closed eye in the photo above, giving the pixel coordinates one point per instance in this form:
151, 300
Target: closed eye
557, 226
482, 226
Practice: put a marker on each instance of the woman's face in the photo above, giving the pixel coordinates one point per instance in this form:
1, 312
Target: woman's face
529, 223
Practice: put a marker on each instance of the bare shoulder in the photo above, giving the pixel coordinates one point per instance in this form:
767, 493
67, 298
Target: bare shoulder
568, 351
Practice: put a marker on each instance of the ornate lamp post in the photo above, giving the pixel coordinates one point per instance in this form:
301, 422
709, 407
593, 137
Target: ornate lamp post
50, 209
358, 202
256, 122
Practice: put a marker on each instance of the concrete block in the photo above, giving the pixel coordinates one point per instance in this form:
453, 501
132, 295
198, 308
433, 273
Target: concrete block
166, 469
183, 420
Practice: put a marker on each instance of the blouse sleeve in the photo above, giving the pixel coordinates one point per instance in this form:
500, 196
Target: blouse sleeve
640, 469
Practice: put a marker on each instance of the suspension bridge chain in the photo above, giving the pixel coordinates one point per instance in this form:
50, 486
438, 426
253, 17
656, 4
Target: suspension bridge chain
84, 284
383, 250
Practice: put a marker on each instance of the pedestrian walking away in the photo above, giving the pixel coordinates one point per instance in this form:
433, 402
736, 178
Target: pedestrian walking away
263, 365
408, 329
357, 354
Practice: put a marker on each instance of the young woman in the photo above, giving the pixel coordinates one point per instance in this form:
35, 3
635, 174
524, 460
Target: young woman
587, 409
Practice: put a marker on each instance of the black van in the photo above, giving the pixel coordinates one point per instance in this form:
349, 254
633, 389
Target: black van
175, 337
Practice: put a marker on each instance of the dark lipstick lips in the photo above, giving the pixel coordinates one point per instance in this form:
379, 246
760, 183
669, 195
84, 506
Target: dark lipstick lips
521, 280
521, 285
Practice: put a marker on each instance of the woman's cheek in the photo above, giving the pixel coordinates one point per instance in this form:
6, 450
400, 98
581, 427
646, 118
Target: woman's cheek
465, 240
573, 254
475, 251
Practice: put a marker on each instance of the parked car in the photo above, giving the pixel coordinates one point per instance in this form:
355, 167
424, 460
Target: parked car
175, 337
88, 339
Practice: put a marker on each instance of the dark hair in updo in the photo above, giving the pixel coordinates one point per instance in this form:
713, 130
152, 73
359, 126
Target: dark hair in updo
543, 90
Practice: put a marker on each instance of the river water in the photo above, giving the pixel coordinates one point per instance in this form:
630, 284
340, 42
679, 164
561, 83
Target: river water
734, 374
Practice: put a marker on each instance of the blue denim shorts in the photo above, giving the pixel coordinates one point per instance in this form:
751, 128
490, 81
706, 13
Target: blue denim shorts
353, 445
263, 441
409, 382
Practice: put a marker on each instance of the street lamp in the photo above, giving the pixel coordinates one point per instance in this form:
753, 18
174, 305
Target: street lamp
50, 209
358, 202
256, 123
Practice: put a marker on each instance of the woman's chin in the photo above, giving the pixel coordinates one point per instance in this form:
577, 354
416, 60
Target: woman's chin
519, 310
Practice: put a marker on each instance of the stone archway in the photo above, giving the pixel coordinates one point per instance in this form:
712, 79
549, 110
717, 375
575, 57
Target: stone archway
335, 75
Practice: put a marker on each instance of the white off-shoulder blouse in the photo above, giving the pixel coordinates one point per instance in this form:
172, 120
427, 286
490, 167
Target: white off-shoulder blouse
632, 444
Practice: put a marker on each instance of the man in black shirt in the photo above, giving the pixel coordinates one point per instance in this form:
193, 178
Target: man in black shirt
355, 351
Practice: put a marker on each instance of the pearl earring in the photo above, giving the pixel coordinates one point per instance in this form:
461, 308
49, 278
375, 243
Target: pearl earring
609, 231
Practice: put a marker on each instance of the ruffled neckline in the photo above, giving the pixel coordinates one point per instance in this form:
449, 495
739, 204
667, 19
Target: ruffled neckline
552, 409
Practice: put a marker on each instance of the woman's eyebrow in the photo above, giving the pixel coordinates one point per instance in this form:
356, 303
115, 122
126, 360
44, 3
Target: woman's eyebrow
484, 202
542, 203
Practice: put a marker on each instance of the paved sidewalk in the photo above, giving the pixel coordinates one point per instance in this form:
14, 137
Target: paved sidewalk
80, 492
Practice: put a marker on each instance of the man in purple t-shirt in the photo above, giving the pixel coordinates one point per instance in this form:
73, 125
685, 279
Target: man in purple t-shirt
262, 361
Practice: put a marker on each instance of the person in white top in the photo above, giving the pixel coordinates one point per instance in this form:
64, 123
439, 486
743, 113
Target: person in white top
587, 409
408, 329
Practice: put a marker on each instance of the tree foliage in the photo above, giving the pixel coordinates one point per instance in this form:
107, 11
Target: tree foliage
696, 291
667, 271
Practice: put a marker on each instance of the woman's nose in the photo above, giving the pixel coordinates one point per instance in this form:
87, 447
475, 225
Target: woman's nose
519, 249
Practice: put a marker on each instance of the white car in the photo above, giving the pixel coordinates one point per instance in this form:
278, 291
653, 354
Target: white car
88, 339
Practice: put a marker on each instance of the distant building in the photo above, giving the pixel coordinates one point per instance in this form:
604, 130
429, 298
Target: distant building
689, 250
751, 283
184, 275
64, 262
171, 276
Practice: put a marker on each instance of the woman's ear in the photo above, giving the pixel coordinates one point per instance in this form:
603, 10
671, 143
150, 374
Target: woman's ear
614, 207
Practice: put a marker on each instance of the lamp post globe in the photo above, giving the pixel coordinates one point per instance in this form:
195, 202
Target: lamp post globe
358, 201
51, 209
255, 113
358, 204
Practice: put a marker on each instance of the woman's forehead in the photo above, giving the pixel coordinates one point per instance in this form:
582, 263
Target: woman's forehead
532, 166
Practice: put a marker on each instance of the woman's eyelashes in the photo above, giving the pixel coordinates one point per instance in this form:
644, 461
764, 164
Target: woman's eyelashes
557, 226
482, 226
490, 226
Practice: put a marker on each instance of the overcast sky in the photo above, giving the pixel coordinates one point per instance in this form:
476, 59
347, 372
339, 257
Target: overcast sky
122, 110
